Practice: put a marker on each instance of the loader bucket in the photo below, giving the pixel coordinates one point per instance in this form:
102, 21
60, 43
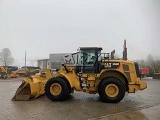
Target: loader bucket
31, 87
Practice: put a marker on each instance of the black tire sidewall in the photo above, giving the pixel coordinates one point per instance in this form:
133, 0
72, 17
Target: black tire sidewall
104, 97
64, 93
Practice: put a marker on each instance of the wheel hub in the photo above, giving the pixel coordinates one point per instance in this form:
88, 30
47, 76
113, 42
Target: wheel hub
112, 90
55, 89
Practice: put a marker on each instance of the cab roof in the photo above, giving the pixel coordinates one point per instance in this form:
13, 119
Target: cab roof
90, 48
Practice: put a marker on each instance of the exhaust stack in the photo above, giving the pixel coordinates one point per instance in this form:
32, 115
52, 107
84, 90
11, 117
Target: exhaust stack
124, 51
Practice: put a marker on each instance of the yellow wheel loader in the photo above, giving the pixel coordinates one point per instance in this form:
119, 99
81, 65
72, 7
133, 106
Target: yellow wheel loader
3, 73
94, 72
88, 71
22, 72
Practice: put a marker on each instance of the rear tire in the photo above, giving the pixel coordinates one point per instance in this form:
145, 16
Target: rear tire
57, 89
111, 90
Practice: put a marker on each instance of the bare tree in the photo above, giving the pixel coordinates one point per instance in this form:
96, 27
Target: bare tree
142, 63
157, 66
153, 64
6, 57
150, 61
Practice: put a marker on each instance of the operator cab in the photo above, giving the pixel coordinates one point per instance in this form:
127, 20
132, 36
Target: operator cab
89, 59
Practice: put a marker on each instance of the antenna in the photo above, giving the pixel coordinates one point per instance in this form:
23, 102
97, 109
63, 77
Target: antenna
25, 57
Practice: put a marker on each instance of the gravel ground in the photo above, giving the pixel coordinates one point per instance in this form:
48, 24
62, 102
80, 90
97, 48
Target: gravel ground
141, 105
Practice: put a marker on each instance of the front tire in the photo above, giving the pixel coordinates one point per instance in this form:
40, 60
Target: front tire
57, 89
111, 90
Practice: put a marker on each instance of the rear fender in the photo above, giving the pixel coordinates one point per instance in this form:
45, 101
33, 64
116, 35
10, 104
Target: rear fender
113, 73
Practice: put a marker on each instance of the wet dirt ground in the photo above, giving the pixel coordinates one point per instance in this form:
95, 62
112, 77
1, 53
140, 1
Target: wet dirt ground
142, 105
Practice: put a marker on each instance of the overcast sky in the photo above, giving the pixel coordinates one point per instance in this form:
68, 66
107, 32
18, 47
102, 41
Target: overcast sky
42, 27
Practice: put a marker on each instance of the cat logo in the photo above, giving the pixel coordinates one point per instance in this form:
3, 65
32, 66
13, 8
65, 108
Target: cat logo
112, 65
107, 64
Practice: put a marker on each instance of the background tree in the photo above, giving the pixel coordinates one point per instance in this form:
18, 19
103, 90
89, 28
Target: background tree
6, 57
157, 66
142, 63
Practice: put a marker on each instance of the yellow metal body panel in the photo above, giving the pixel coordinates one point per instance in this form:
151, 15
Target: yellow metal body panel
126, 75
135, 87
126, 68
3, 72
71, 77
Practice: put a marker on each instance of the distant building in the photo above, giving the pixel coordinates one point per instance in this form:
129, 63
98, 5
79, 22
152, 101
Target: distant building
54, 62
43, 63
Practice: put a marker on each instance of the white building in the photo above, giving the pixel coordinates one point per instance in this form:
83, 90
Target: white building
54, 62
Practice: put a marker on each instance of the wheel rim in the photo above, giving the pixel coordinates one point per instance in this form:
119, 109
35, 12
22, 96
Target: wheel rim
112, 90
55, 89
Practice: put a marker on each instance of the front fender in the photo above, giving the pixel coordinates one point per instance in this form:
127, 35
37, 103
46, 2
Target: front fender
71, 77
